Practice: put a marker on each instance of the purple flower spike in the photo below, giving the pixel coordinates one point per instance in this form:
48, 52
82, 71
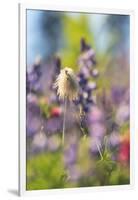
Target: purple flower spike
114, 139
123, 113
84, 46
95, 72
97, 130
70, 155
95, 115
53, 125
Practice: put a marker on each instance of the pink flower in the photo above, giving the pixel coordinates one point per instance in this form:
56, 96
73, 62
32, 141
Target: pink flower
56, 112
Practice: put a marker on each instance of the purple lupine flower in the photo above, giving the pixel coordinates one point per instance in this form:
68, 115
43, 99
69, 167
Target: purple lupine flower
117, 94
32, 98
97, 130
127, 96
85, 72
34, 119
55, 72
122, 114
33, 124
93, 145
95, 72
87, 56
84, 45
70, 155
91, 86
96, 115
33, 77
86, 61
53, 125
57, 63
114, 139
33, 108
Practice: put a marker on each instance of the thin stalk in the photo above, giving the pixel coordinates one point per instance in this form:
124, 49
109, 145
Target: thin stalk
64, 121
99, 150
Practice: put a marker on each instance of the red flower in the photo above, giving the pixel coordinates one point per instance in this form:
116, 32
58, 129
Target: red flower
55, 112
124, 150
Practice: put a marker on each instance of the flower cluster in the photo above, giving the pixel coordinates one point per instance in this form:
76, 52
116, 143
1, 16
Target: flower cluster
86, 75
101, 123
33, 77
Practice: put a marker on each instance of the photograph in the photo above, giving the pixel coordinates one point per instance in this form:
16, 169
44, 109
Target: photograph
77, 99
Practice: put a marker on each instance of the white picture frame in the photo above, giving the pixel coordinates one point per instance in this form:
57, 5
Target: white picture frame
22, 97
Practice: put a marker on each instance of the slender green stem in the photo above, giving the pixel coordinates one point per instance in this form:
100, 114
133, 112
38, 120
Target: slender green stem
64, 121
99, 150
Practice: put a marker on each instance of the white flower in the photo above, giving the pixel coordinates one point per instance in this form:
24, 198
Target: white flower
66, 84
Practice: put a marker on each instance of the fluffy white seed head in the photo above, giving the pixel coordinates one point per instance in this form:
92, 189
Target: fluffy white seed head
66, 84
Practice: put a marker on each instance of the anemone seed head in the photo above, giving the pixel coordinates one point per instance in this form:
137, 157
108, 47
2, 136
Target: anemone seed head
66, 84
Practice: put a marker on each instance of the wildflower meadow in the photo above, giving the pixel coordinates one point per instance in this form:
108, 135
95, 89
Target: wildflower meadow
77, 100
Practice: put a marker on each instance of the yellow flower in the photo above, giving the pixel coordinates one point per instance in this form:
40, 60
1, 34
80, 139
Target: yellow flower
66, 84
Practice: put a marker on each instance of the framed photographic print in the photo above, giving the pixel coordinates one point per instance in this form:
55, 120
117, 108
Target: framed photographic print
76, 126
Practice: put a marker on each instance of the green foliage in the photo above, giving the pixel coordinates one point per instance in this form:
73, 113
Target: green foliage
74, 30
45, 108
45, 171
124, 128
120, 176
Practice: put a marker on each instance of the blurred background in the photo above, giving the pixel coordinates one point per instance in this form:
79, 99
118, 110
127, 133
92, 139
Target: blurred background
97, 138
